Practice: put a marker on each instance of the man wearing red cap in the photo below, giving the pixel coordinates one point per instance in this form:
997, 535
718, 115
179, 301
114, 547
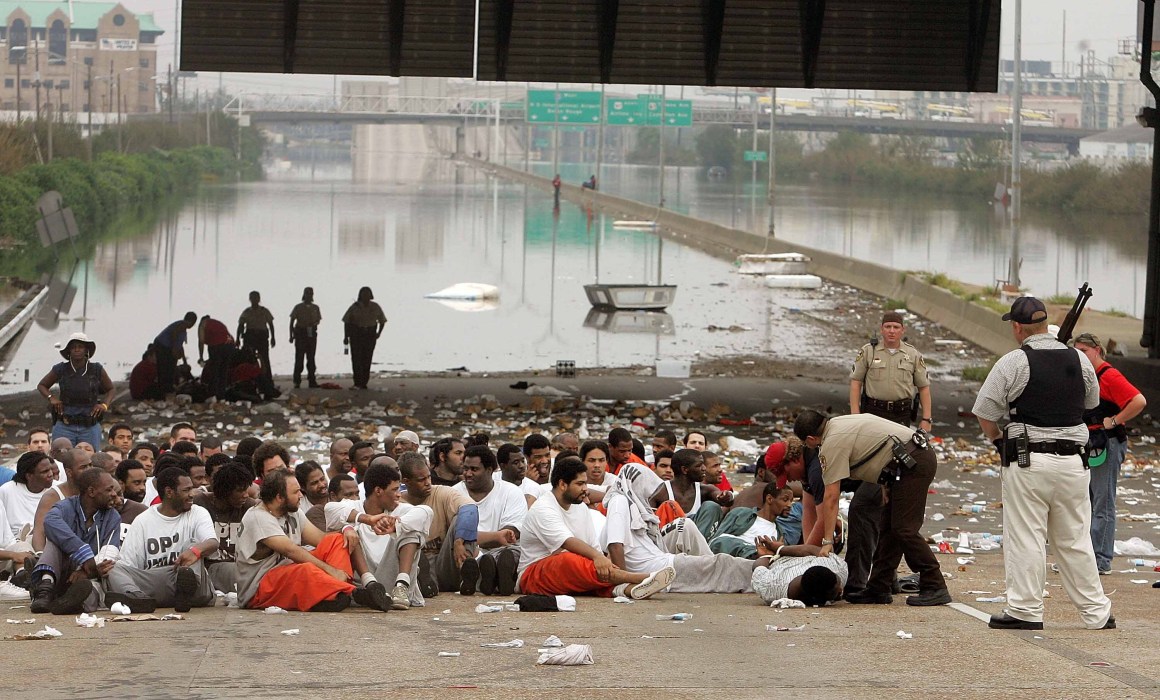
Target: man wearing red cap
1045, 387
885, 378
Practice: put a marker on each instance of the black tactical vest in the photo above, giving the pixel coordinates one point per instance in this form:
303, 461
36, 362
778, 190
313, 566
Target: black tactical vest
1055, 391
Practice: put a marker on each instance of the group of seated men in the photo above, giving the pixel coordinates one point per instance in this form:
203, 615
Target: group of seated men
181, 524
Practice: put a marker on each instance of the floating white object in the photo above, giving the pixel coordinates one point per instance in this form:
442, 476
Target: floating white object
773, 264
793, 281
674, 369
634, 224
466, 291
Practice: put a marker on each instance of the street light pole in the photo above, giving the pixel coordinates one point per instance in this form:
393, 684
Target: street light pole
89, 99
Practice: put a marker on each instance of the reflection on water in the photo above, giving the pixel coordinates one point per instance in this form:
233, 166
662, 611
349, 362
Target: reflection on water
404, 239
966, 240
411, 226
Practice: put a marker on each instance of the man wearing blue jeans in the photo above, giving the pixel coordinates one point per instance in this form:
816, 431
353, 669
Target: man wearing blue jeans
85, 392
1120, 402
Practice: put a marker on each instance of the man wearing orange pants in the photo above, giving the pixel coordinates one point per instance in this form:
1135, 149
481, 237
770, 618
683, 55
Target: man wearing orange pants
561, 553
275, 570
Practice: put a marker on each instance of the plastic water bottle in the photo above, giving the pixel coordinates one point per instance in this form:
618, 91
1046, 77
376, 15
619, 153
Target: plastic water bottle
1144, 562
681, 617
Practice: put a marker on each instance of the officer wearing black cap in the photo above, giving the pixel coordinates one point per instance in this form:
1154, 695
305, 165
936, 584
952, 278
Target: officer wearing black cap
304, 320
1045, 386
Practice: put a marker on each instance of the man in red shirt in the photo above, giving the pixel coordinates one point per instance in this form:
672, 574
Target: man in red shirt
1120, 402
143, 379
620, 450
213, 334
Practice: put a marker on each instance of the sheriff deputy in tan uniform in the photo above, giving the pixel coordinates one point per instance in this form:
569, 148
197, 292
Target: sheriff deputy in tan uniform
891, 372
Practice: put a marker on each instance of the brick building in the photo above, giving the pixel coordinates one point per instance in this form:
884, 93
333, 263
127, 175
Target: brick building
66, 42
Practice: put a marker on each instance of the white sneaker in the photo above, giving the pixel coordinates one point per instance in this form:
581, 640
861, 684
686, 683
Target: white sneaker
400, 598
10, 592
656, 582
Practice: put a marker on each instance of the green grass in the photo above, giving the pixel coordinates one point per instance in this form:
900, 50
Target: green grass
940, 279
993, 304
1117, 313
977, 373
893, 304
1060, 299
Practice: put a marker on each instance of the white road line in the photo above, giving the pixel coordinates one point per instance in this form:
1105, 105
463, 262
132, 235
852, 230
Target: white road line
968, 610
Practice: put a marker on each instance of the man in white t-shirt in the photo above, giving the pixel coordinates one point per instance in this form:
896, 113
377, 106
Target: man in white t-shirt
274, 569
561, 552
20, 497
502, 509
391, 533
633, 542
451, 540
160, 563
513, 468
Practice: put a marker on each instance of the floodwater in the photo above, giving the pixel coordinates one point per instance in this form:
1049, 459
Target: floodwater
969, 241
418, 225
425, 225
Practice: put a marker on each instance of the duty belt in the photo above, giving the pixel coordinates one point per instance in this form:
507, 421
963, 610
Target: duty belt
79, 421
1057, 447
890, 406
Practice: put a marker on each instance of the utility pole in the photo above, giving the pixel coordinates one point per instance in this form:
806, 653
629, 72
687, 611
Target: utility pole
89, 99
36, 79
23, 58
772, 160
1016, 149
119, 145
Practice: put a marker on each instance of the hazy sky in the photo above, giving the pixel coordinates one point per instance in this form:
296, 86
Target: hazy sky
1094, 24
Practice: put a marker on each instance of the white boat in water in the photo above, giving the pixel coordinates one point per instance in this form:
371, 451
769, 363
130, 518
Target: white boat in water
634, 224
466, 291
773, 264
631, 296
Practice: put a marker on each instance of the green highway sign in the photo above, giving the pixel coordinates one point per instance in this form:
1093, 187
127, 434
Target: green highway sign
651, 104
756, 156
678, 112
563, 107
623, 112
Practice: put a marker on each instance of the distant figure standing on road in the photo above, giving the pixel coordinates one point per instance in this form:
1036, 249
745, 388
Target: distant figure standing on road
169, 346
556, 187
362, 324
85, 392
256, 332
304, 320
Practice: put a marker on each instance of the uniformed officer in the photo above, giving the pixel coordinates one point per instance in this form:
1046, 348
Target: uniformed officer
863, 447
256, 331
304, 320
883, 382
1047, 387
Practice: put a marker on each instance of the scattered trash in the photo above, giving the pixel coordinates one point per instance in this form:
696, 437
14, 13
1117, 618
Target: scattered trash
119, 609
513, 644
622, 599
1139, 580
90, 621
963, 561
571, 655
22, 622
448, 654
273, 610
145, 617
481, 608
993, 599
903, 635
777, 628
46, 633
786, 603
678, 617
291, 633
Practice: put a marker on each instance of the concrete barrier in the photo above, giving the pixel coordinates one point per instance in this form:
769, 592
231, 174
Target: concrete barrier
976, 323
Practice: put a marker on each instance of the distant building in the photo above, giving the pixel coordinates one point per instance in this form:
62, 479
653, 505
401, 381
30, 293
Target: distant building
66, 42
1111, 148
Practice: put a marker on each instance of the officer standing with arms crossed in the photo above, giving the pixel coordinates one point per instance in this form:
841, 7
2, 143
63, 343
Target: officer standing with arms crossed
883, 382
1047, 386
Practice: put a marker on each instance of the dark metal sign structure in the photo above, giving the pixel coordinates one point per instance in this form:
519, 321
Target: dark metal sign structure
950, 45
